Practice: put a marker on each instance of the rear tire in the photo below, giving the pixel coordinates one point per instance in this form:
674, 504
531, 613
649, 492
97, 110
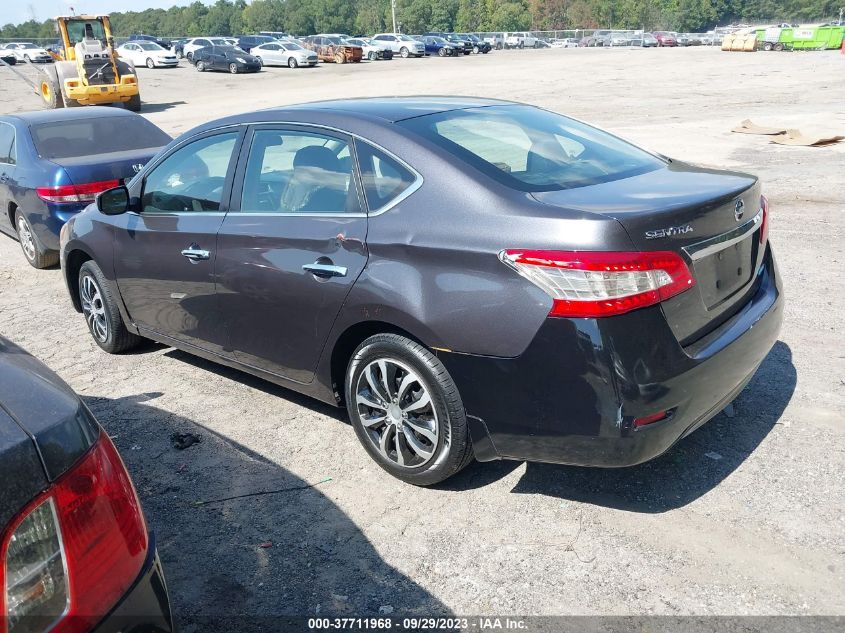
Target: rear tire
778, 47
102, 313
442, 52
200, 66
433, 438
35, 254
134, 103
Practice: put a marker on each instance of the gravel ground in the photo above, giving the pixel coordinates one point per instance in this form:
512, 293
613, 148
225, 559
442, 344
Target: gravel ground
744, 517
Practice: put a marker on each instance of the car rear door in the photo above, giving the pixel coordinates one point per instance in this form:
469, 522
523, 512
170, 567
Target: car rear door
291, 246
7, 172
165, 248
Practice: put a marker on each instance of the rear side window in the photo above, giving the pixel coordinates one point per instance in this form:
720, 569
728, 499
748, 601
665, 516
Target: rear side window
384, 178
92, 136
530, 149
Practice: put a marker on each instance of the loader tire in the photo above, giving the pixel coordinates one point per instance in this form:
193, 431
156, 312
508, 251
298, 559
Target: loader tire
134, 103
51, 94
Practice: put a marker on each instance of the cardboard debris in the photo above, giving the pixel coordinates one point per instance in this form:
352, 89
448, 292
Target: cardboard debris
795, 137
784, 136
748, 127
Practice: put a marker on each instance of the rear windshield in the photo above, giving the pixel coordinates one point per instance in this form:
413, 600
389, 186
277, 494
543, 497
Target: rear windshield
89, 136
530, 149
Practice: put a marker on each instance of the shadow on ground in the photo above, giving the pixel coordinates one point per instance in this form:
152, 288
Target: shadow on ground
693, 467
289, 551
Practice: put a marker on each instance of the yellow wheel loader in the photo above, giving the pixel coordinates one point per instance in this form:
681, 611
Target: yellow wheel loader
87, 70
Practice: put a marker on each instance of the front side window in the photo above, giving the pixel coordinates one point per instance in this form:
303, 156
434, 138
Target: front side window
384, 178
298, 172
530, 149
192, 178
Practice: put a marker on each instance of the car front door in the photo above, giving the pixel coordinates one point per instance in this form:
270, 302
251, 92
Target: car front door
291, 247
164, 249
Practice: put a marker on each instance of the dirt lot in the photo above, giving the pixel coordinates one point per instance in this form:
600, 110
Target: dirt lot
743, 517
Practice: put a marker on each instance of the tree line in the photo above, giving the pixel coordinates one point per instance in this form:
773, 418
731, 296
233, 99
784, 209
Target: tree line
303, 17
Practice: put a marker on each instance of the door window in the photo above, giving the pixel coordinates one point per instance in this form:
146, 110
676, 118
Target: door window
299, 172
192, 178
7, 144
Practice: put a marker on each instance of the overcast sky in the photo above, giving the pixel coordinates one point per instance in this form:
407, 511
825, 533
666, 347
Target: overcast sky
18, 11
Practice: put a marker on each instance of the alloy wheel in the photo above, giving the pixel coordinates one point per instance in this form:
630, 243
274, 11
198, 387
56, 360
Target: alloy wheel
233, 68
150, 63
26, 239
93, 308
397, 413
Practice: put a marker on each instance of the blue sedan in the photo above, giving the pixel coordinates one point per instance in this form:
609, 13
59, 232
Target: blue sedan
438, 46
54, 162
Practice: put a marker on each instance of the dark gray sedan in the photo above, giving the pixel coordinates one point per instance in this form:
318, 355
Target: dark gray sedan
468, 277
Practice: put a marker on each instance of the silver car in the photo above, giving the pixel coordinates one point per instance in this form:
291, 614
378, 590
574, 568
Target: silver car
284, 54
401, 44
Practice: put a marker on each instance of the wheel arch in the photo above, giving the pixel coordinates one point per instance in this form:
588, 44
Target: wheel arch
349, 340
73, 262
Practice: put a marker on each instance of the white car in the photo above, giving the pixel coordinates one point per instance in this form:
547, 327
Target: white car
28, 52
520, 39
372, 50
401, 44
201, 42
149, 54
567, 42
284, 54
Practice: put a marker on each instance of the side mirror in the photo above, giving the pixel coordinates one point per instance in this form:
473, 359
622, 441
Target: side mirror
113, 201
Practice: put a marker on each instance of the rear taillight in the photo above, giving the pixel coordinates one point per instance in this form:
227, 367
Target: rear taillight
75, 193
764, 223
599, 284
75, 550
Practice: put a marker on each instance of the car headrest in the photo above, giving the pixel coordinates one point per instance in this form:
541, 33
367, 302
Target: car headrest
317, 156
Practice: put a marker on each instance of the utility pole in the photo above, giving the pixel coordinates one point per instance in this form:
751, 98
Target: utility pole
393, 11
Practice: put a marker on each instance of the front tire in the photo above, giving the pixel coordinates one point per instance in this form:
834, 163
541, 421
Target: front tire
32, 250
233, 68
404, 52
292, 63
406, 410
102, 313
372, 56
442, 52
150, 63
200, 66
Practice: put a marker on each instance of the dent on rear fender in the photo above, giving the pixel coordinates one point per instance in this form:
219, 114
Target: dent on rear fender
470, 309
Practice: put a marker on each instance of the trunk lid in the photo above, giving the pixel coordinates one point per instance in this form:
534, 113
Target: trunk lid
44, 408
707, 216
120, 166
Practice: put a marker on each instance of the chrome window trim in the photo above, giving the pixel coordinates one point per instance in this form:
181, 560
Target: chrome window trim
720, 242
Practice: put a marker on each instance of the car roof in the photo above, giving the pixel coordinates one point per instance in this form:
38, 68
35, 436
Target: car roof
391, 108
71, 114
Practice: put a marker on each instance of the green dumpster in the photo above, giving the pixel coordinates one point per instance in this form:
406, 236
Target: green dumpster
800, 38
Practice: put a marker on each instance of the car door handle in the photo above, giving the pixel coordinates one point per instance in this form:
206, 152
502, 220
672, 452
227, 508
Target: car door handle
195, 254
325, 270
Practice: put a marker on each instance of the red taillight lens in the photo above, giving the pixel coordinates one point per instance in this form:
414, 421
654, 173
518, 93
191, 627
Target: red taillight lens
650, 419
75, 193
103, 544
599, 284
764, 223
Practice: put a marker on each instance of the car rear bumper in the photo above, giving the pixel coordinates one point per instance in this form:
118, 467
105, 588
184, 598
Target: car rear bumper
573, 395
145, 608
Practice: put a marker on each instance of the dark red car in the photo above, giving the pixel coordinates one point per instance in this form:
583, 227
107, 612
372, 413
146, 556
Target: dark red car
666, 38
